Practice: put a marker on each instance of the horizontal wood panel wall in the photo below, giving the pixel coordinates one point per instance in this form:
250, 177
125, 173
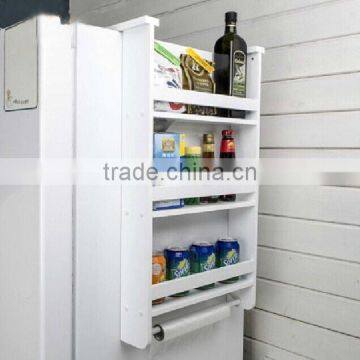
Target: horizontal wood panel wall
308, 301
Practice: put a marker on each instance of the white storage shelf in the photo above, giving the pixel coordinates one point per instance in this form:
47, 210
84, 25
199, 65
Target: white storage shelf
201, 119
194, 281
203, 208
205, 99
198, 296
237, 219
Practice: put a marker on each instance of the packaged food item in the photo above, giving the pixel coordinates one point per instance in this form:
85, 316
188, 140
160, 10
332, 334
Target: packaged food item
167, 74
177, 265
202, 258
167, 152
197, 78
168, 204
158, 272
227, 253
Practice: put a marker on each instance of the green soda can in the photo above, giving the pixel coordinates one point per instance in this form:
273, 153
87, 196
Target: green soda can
202, 258
227, 253
177, 265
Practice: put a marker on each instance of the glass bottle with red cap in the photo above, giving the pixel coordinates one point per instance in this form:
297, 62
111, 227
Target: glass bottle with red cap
227, 153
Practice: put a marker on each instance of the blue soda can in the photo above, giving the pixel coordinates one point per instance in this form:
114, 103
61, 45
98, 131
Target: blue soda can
227, 253
177, 265
202, 258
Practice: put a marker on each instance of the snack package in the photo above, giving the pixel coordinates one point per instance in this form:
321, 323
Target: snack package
196, 78
167, 74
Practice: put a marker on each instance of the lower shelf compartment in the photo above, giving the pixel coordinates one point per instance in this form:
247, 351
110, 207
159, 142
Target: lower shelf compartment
191, 282
198, 296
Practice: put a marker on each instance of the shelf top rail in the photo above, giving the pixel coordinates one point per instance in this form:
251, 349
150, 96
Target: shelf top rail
205, 99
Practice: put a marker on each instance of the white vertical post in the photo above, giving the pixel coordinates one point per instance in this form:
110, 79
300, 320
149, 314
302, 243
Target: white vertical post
254, 92
137, 144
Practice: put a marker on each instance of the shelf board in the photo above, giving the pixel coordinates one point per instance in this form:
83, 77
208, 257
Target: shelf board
198, 296
203, 208
205, 99
201, 119
170, 192
191, 282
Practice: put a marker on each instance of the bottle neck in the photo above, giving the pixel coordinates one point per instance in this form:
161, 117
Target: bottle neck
230, 28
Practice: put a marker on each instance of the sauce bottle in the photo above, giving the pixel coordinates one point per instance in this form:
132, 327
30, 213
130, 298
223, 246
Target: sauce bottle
208, 163
227, 153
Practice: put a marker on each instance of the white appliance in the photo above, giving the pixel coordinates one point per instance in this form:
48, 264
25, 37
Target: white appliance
76, 248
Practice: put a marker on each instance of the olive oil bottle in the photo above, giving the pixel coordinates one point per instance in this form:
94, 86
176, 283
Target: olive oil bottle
230, 54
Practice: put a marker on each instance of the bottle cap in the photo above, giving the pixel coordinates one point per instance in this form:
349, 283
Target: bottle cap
227, 132
231, 17
193, 151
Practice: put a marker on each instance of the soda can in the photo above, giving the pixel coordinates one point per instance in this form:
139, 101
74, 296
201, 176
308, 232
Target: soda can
202, 258
177, 265
158, 272
227, 253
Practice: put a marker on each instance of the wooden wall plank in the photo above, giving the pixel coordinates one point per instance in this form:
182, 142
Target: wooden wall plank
333, 204
323, 153
319, 238
110, 12
317, 130
311, 272
338, 55
210, 14
328, 311
297, 337
312, 95
331, 19
257, 350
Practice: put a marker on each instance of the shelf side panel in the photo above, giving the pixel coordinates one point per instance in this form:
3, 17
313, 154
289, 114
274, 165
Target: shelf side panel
136, 223
98, 208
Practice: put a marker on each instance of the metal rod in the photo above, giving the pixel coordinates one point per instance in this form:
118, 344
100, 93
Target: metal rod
156, 330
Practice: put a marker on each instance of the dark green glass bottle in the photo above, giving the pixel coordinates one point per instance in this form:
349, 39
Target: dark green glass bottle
230, 55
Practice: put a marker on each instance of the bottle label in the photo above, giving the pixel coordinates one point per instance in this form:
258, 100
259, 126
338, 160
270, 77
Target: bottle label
227, 146
239, 79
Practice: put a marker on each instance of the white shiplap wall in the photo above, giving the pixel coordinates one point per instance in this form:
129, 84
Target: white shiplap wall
308, 303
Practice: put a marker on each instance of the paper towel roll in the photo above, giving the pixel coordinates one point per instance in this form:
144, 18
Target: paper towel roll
178, 327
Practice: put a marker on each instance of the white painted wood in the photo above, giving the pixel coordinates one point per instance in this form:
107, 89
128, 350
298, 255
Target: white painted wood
201, 98
331, 56
211, 14
298, 26
311, 153
196, 209
323, 92
311, 130
257, 350
196, 297
194, 281
310, 237
333, 204
200, 119
21, 66
326, 275
136, 218
98, 108
109, 12
328, 311
300, 338
140, 21
56, 86
202, 189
